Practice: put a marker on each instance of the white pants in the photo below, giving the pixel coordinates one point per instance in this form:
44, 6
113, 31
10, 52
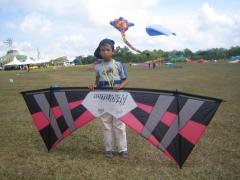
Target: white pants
110, 124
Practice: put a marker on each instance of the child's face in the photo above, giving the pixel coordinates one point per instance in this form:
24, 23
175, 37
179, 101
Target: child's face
106, 52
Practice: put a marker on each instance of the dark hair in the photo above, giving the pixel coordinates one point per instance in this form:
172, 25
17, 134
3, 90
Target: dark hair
103, 43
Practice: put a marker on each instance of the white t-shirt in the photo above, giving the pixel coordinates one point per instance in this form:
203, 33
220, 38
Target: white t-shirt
118, 74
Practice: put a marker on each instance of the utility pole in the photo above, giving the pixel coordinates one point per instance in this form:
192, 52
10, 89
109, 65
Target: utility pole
9, 42
38, 54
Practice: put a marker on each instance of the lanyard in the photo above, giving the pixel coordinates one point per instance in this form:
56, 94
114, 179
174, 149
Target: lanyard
111, 83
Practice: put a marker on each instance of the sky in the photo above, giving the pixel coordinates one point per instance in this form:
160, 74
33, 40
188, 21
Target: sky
75, 27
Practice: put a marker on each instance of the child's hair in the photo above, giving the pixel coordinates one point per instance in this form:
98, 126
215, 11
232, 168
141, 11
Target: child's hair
103, 43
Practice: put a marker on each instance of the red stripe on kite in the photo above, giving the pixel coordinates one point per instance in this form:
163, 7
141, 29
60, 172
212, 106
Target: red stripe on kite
144, 107
40, 120
84, 118
153, 140
169, 156
55, 144
74, 104
168, 118
193, 131
57, 110
130, 120
66, 133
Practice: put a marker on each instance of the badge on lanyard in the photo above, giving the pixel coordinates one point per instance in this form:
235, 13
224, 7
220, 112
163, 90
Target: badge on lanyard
106, 73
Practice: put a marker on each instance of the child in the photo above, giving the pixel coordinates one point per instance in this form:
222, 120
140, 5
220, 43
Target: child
111, 73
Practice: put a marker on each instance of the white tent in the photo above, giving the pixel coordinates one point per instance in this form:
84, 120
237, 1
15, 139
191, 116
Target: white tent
168, 63
71, 59
28, 61
15, 62
234, 62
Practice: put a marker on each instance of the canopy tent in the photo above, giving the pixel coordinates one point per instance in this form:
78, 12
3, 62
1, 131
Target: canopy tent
27, 61
201, 61
188, 61
170, 65
234, 62
235, 58
71, 59
15, 62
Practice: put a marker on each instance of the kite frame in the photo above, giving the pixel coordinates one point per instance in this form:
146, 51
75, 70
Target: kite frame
170, 92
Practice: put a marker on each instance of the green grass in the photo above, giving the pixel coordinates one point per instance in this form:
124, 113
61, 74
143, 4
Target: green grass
23, 154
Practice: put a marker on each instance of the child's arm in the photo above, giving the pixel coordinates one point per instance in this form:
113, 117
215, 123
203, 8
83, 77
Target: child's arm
123, 76
122, 85
93, 86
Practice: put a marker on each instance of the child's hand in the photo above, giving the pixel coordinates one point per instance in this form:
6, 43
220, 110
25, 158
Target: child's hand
92, 87
117, 87
120, 86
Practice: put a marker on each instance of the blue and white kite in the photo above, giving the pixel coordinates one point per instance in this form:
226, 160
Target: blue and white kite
157, 30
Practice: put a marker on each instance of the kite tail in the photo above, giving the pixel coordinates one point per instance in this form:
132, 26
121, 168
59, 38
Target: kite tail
128, 44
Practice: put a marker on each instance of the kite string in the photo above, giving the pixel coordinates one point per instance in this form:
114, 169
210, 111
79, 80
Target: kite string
128, 44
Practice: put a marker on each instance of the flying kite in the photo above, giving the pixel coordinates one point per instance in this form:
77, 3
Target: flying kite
172, 121
122, 25
156, 30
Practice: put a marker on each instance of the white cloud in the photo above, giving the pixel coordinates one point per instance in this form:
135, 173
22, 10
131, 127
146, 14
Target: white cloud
76, 41
2, 49
203, 30
101, 12
36, 23
210, 17
217, 30
57, 7
80, 25
25, 47
72, 45
11, 25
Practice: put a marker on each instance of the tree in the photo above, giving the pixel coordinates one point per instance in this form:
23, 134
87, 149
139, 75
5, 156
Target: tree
187, 53
125, 55
78, 60
233, 51
88, 60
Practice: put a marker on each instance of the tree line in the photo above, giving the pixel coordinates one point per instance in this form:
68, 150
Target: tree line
126, 56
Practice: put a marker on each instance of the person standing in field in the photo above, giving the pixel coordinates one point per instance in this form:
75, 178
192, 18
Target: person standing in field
111, 73
154, 65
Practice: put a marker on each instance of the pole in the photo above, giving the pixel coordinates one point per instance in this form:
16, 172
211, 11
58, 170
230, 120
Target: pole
179, 125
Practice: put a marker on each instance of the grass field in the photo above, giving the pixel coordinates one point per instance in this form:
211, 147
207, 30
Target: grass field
24, 156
